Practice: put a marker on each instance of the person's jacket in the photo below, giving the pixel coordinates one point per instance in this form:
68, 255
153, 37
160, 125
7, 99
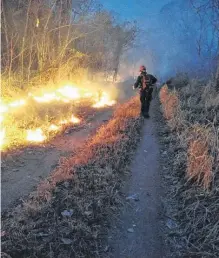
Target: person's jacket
149, 79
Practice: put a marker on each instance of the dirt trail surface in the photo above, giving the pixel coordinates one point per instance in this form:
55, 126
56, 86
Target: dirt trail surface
136, 233
23, 171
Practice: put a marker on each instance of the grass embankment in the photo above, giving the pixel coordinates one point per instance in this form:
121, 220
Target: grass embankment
192, 114
86, 187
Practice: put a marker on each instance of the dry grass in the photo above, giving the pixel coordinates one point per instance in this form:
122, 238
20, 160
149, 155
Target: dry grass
88, 183
17, 122
192, 151
199, 162
169, 102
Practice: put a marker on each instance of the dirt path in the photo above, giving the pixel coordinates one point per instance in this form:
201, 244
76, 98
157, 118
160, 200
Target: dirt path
137, 231
23, 171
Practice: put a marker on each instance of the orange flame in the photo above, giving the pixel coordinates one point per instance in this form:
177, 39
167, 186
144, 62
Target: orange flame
2, 137
36, 135
74, 119
53, 127
104, 101
66, 94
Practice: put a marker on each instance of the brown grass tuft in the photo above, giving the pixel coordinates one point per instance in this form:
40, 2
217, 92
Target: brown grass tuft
169, 102
199, 162
163, 94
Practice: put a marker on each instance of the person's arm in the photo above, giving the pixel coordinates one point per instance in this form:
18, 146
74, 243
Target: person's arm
153, 79
136, 85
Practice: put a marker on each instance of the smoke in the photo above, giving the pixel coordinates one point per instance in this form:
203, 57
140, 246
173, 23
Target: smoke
174, 40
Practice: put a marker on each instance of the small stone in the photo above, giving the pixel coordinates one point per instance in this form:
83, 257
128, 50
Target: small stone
133, 197
171, 224
41, 234
88, 213
66, 213
106, 249
130, 230
66, 241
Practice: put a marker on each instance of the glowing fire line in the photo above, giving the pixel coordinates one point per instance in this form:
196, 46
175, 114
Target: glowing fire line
65, 94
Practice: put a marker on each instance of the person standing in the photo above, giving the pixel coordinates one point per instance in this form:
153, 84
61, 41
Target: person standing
145, 83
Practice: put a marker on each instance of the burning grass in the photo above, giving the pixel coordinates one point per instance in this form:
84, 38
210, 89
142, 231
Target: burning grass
192, 152
68, 215
41, 115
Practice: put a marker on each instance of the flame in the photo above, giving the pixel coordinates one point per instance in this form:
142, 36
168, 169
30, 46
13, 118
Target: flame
17, 103
35, 135
2, 137
37, 22
74, 119
53, 127
67, 94
88, 94
63, 122
47, 97
3, 108
104, 101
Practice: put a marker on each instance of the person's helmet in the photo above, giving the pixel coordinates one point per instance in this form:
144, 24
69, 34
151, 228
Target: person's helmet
142, 68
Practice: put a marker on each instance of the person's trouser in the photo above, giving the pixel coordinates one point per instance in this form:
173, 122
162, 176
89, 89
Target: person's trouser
145, 98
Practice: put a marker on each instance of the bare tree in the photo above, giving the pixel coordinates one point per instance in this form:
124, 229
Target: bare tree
210, 10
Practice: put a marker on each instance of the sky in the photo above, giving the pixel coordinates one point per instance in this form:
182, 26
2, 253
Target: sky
146, 13
132, 9
168, 43
143, 11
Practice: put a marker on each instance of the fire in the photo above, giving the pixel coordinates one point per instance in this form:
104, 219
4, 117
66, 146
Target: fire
1, 118
69, 92
63, 122
47, 97
65, 94
17, 103
104, 101
3, 108
53, 127
74, 120
2, 137
36, 135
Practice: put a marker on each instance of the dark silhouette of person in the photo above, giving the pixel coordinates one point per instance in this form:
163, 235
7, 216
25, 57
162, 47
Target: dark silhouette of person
145, 83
